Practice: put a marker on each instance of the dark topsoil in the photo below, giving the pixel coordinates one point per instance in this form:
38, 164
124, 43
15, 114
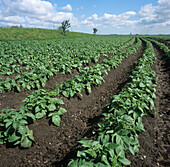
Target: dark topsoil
155, 142
165, 42
54, 146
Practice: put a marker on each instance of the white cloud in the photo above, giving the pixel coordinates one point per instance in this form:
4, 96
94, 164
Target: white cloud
150, 14
88, 23
34, 13
150, 19
163, 10
146, 10
67, 7
83, 16
28, 7
94, 17
13, 19
111, 19
43, 14
60, 16
80, 8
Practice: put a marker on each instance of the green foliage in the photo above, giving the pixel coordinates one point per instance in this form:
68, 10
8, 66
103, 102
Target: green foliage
34, 62
14, 124
34, 72
8, 85
95, 31
42, 102
14, 129
93, 75
65, 25
15, 33
123, 120
163, 47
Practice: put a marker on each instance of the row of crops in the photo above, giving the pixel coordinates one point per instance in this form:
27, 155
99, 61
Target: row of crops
118, 134
43, 102
32, 63
161, 46
29, 64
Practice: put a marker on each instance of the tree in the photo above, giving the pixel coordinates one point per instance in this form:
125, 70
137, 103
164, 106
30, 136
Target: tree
65, 25
95, 30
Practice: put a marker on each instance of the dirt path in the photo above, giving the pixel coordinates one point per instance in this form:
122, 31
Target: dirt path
55, 145
155, 142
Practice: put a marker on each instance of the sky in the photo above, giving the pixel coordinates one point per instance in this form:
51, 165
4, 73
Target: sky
108, 16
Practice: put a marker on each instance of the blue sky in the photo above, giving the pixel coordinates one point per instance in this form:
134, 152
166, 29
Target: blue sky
109, 16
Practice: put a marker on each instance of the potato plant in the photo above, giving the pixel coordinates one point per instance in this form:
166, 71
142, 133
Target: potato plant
34, 71
14, 124
14, 127
44, 103
161, 46
36, 61
93, 75
123, 119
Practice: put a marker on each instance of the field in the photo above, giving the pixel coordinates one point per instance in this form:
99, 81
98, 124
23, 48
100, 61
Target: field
83, 99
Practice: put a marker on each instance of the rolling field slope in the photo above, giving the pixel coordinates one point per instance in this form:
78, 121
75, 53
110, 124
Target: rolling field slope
82, 99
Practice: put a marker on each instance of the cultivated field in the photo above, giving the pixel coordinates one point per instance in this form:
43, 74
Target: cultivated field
83, 99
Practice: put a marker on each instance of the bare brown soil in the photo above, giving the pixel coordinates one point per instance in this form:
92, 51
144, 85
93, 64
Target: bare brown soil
165, 42
54, 146
13, 99
155, 142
